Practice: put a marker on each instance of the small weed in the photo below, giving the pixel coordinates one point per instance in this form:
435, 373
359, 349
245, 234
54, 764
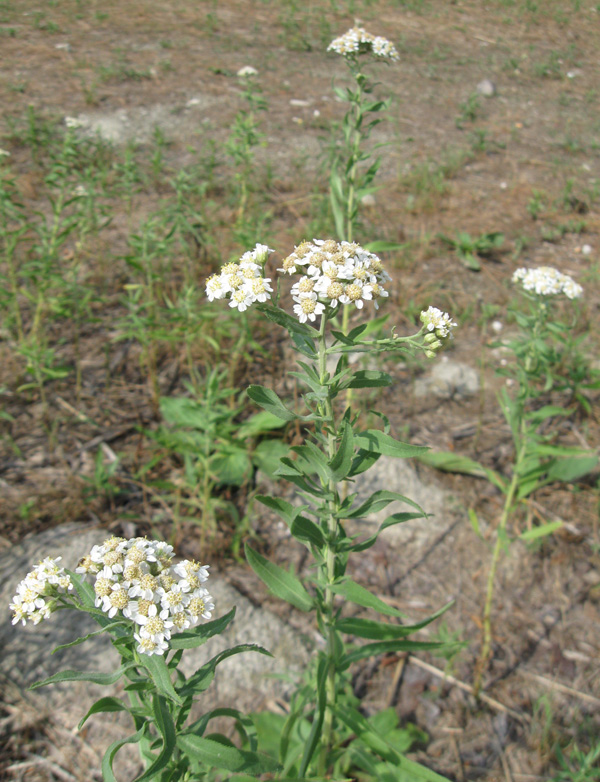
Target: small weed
469, 110
468, 248
578, 766
536, 204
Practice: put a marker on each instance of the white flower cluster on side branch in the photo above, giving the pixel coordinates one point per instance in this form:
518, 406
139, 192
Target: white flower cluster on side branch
547, 281
242, 282
134, 579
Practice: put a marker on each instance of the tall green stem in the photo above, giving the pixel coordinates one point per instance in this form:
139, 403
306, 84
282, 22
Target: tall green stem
500, 538
329, 566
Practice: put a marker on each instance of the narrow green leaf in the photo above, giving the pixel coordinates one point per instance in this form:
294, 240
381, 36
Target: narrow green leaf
414, 772
77, 641
82, 676
307, 531
356, 593
315, 732
166, 727
572, 468
474, 522
201, 679
369, 378
379, 500
540, 532
395, 518
259, 423
189, 639
268, 400
342, 461
383, 647
216, 755
103, 705
378, 442
282, 583
382, 631
286, 510
453, 462
160, 674
109, 755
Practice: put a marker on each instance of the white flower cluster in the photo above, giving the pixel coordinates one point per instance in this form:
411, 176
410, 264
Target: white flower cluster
547, 281
247, 71
438, 326
334, 274
36, 594
242, 281
358, 41
74, 123
137, 579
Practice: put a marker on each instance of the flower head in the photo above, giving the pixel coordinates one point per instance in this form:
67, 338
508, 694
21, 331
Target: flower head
332, 274
358, 41
247, 71
37, 593
243, 282
135, 579
438, 326
547, 281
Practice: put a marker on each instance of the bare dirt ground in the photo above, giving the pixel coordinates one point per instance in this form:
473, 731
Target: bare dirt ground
524, 162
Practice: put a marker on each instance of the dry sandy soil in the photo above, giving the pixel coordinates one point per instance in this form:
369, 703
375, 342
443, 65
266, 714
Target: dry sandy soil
524, 162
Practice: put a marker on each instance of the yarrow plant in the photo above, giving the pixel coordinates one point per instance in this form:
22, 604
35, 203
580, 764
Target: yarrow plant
153, 609
330, 277
242, 282
538, 459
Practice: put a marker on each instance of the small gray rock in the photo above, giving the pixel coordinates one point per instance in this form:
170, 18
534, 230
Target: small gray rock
448, 379
486, 88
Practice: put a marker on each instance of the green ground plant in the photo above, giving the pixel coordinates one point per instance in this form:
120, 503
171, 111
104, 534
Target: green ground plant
538, 457
217, 451
469, 249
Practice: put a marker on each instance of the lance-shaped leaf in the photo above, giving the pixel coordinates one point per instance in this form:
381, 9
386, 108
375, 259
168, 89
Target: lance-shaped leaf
102, 705
307, 531
453, 462
284, 509
395, 518
341, 464
166, 727
269, 401
160, 674
282, 583
109, 755
189, 639
356, 593
202, 678
383, 631
383, 647
83, 676
540, 532
368, 378
77, 641
378, 501
293, 325
216, 755
379, 442
311, 460
315, 732
360, 727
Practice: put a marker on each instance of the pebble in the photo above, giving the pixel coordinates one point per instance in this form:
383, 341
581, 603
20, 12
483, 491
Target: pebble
586, 249
302, 104
486, 88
